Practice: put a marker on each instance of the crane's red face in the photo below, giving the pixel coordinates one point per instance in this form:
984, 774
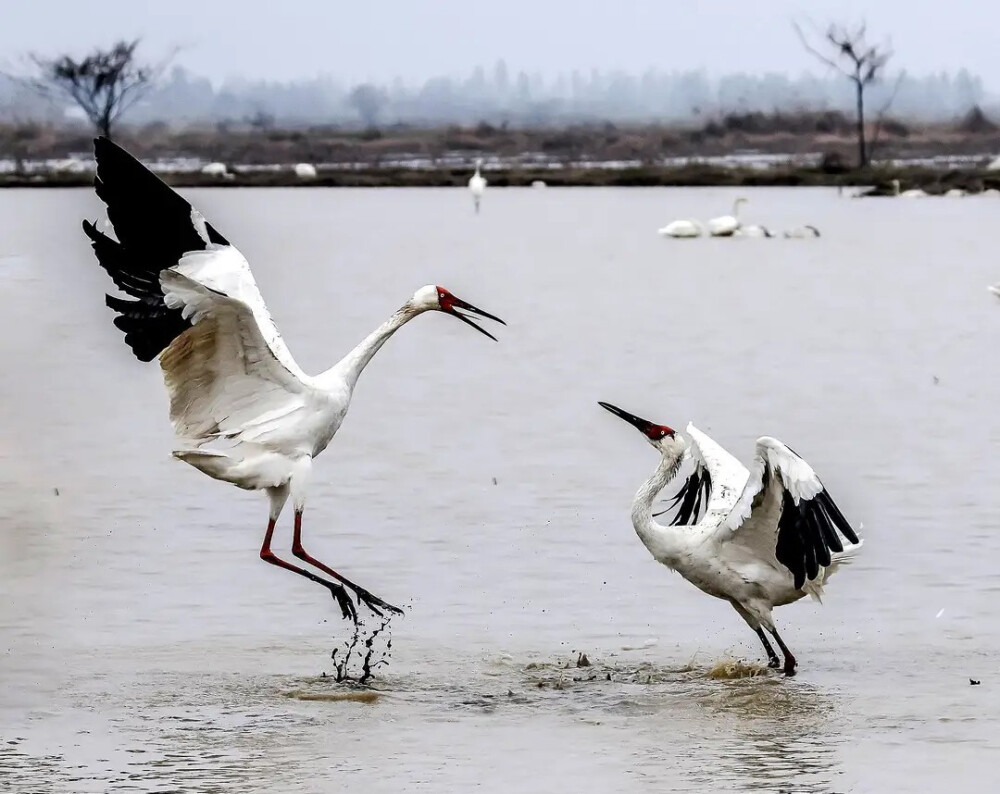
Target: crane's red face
449, 304
654, 433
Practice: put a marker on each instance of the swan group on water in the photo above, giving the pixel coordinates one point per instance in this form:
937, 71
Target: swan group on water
730, 226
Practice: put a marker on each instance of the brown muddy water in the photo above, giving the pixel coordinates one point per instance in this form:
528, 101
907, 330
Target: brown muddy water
144, 647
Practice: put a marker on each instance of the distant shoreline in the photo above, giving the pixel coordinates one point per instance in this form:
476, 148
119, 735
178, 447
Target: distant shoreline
932, 180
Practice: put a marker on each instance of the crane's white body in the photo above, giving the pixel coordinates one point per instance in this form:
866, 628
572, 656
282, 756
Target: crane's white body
726, 225
477, 185
242, 409
732, 552
682, 229
729, 553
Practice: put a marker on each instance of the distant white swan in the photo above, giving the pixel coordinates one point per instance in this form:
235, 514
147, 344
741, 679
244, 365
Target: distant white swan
801, 232
753, 230
477, 185
990, 191
912, 193
682, 228
726, 225
955, 192
305, 170
539, 183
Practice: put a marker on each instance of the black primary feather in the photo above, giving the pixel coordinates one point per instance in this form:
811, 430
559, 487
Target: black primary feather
155, 229
696, 490
808, 533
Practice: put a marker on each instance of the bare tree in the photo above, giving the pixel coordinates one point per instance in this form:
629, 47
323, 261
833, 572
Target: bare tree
367, 100
103, 85
848, 51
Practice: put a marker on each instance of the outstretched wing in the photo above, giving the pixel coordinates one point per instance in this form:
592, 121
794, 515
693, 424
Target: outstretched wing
157, 230
223, 378
785, 513
713, 486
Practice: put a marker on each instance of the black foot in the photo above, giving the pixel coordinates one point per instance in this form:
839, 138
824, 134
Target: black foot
774, 663
374, 603
343, 598
789, 667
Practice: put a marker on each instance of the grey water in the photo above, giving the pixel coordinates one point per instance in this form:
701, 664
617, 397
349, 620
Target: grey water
145, 647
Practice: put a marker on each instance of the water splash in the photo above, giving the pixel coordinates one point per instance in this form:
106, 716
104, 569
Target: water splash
363, 647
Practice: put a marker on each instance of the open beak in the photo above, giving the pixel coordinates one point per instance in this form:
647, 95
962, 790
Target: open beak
454, 304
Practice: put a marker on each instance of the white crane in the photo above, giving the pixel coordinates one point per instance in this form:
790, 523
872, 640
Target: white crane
477, 185
682, 229
726, 225
242, 410
766, 537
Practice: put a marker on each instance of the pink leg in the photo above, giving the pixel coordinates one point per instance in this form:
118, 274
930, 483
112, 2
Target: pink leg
338, 592
374, 603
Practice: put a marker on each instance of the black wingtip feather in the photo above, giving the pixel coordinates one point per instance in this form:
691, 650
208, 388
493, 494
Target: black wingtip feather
155, 229
807, 535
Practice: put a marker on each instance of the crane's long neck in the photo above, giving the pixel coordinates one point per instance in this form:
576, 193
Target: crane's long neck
663, 542
350, 367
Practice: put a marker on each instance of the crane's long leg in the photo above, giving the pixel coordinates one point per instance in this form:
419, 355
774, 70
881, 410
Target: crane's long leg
373, 602
789, 659
772, 657
754, 623
339, 593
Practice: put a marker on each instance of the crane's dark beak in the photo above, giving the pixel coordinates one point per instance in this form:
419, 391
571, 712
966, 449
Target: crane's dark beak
451, 305
647, 428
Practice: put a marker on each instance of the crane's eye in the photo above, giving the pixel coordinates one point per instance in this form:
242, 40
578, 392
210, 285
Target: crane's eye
663, 432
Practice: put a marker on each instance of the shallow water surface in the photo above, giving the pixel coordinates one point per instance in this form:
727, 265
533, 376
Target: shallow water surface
144, 646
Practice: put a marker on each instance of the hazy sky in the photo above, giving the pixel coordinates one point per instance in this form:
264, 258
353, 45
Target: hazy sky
358, 40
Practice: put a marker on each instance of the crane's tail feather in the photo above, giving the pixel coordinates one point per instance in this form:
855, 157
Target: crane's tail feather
814, 587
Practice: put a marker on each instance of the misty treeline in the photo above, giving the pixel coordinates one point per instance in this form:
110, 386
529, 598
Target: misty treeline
499, 94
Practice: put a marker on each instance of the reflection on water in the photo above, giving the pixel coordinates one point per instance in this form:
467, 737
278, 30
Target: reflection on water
145, 647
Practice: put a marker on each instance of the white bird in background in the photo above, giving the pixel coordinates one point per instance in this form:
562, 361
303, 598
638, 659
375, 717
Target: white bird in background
477, 185
242, 410
802, 232
726, 225
215, 169
682, 229
766, 537
955, 192
305, 170
753, 230
912, 193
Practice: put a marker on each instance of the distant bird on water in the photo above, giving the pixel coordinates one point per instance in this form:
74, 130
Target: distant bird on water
727, 225
682, 229
802, 232
242, 409
758, 539
477, 185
